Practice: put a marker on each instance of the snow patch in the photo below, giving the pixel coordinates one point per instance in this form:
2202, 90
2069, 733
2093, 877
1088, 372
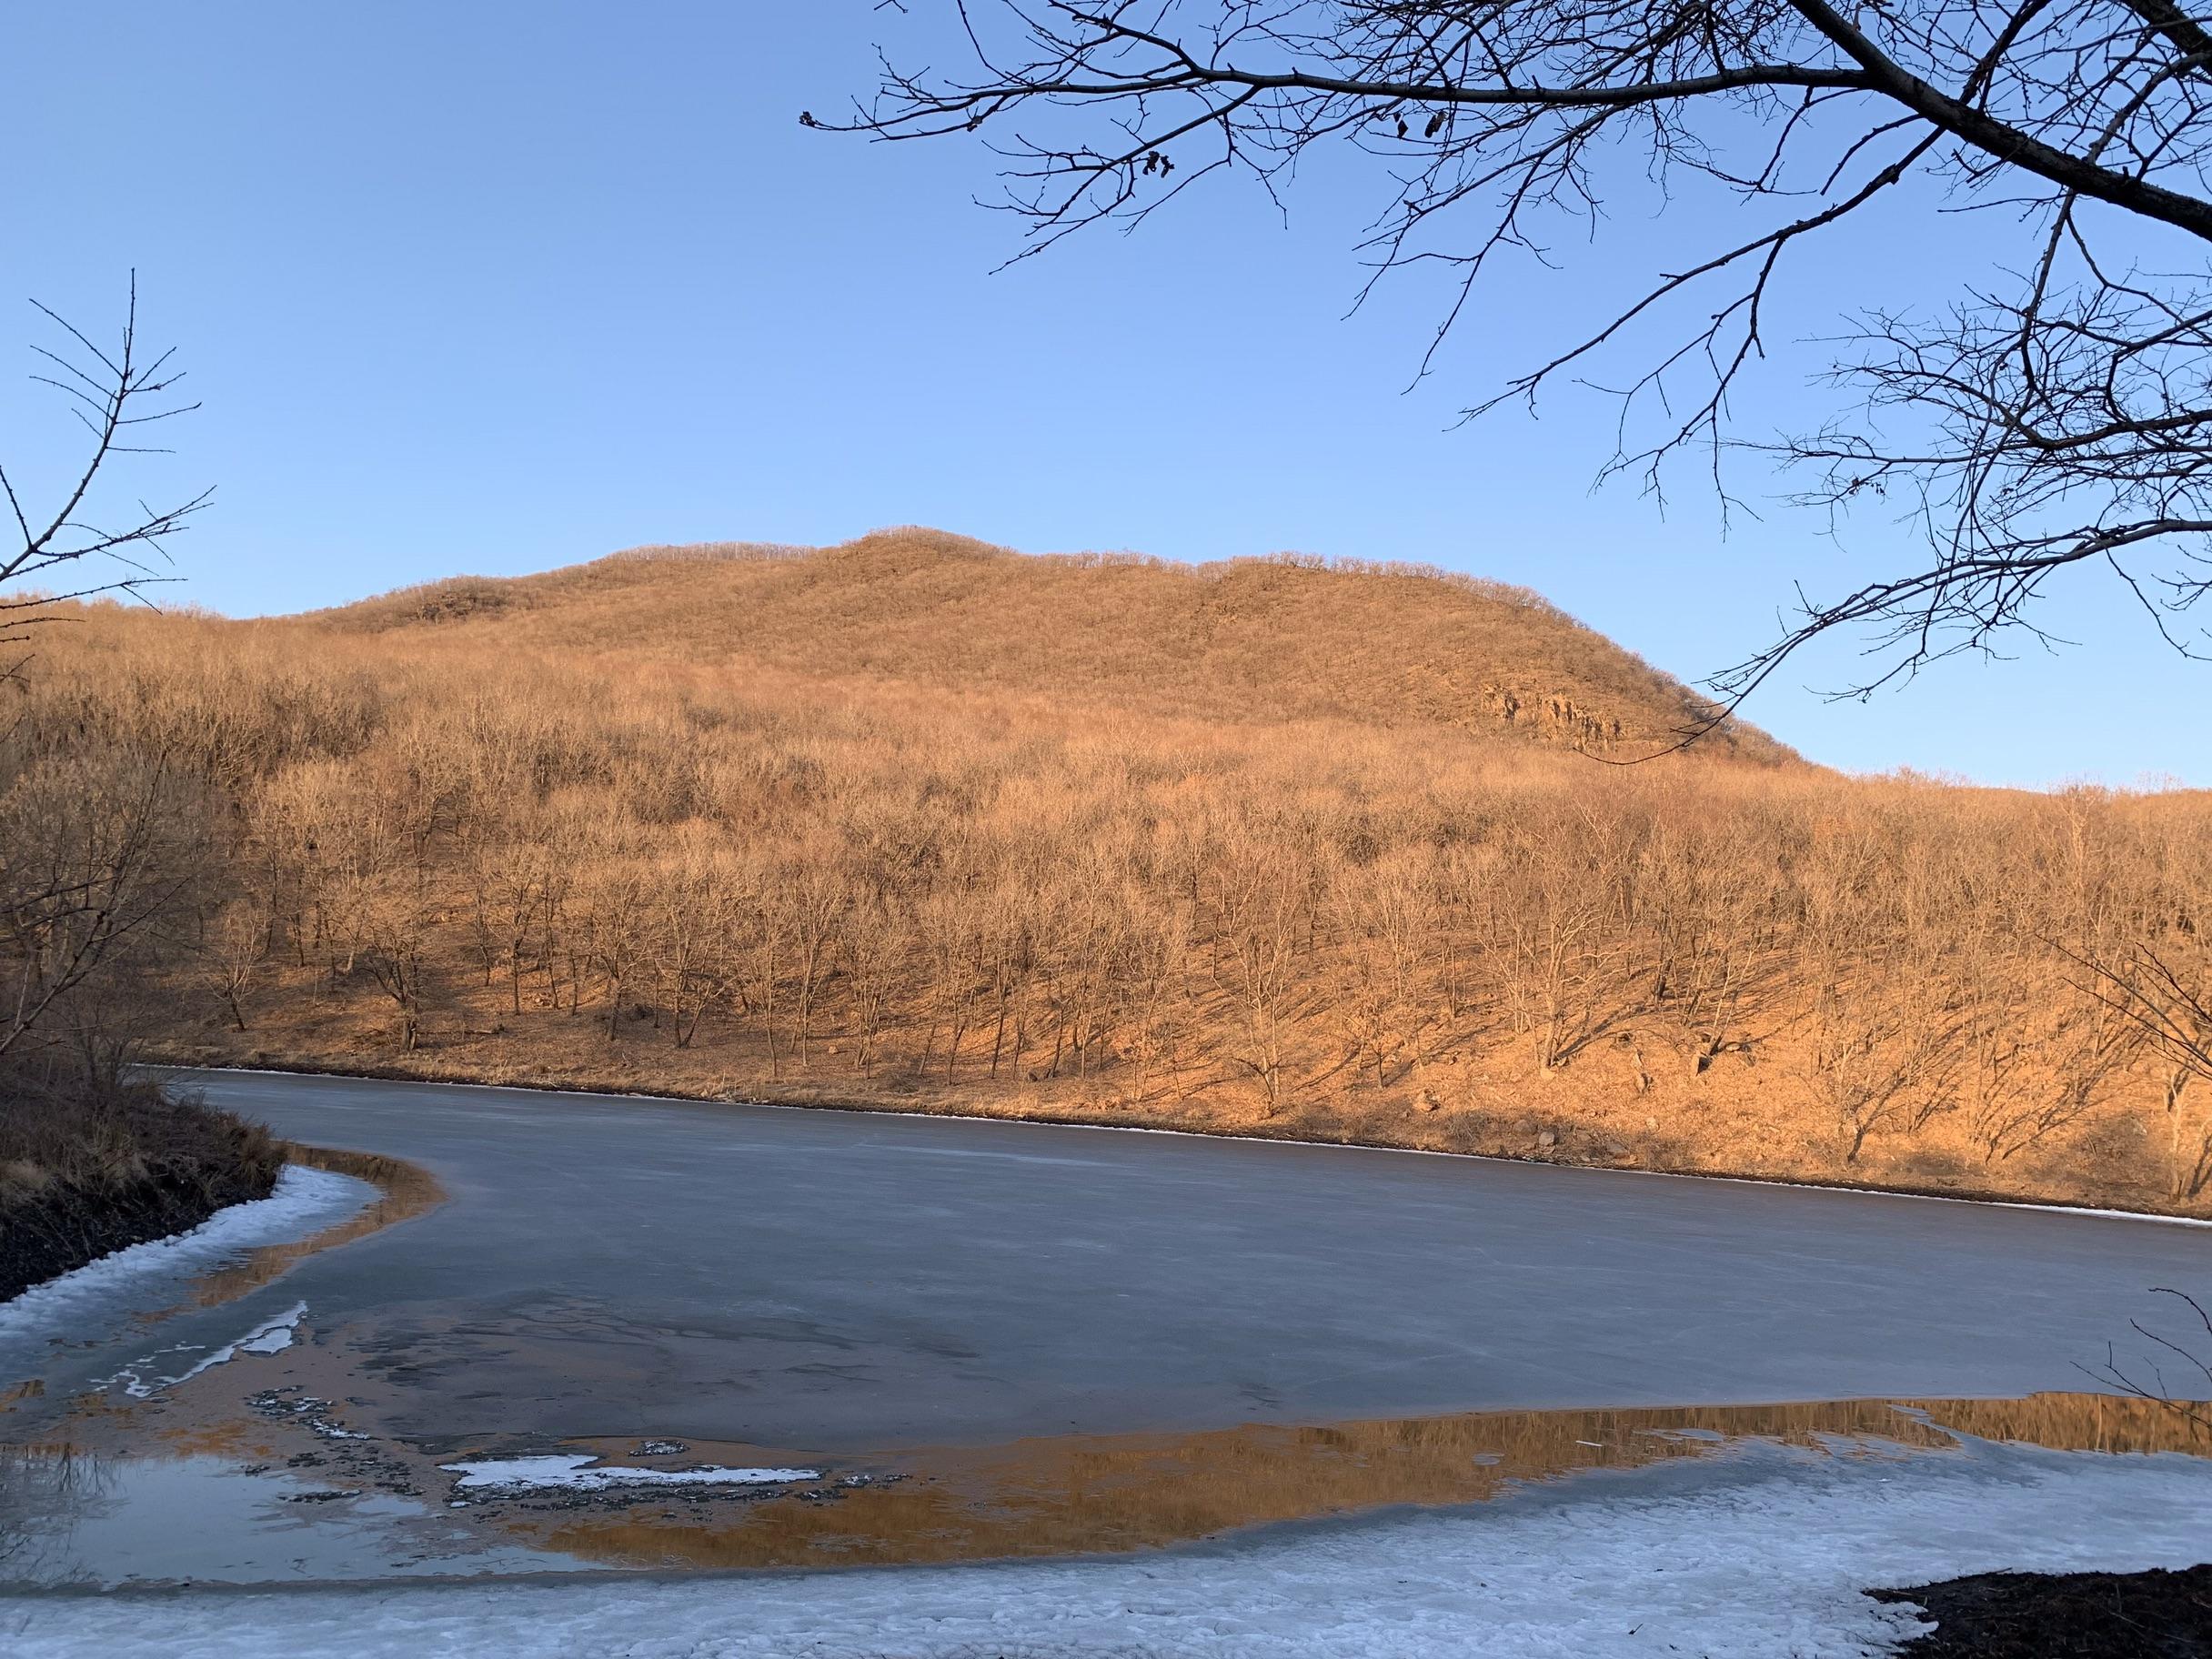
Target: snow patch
67, 1307
270, 1336
1746, 1559
581, 1471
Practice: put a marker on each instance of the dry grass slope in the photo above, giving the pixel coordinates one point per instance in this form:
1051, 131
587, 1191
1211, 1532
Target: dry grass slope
1247, 640
1241, 849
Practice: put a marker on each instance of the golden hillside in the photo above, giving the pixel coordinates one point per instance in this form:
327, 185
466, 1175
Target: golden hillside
918, 824
1270, 638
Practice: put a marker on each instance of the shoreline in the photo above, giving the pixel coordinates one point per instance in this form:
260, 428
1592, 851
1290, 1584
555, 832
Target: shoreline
2086, 1616
1984, 1198
195, 1163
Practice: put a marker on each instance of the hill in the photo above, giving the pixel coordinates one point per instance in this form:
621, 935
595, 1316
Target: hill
1283, 637
1248, 848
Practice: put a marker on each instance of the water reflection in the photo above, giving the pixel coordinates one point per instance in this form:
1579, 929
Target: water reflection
42, 1490
70, 1518
2076, 1422
405, 1189
234, 1500
1091, 1495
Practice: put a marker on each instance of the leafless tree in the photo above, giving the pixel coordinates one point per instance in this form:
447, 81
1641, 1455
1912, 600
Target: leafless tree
762, 955
1387, 912
2076, 1068
99, 854
618, 943
2186, 1397
1156, 946
1711, 930
234, 944
689, 906
816, 899
1883, 1057
1009, 947
951, 929
1567, 984
2056, 414
2166, 995
396, 926
98, 846
872, 947
1999, 1053
1261, 902
116, 392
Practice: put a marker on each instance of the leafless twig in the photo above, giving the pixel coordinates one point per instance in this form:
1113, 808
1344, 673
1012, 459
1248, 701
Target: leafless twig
2058, 417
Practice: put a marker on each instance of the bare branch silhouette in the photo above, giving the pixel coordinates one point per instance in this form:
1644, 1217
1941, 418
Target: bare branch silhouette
116, 392
2058, 417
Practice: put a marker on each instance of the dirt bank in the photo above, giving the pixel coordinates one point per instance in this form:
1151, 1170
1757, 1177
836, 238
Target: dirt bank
88, 1172
2065, 1615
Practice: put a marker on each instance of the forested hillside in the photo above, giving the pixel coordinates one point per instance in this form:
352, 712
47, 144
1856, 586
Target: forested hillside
1263, 848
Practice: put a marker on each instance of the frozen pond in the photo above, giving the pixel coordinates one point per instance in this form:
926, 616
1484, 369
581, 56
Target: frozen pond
538, 1332
832, 1280
1763, 1557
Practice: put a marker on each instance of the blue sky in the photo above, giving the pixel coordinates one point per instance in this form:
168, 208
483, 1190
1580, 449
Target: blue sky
500, 287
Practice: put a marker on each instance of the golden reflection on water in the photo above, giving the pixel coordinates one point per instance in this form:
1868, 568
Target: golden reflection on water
1107, 1494
2076, 1422
235, 1439
405, 1191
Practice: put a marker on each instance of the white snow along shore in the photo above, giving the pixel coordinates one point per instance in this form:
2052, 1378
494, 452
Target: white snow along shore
304, 1202
1757, 1557
270, 1336
584, 1473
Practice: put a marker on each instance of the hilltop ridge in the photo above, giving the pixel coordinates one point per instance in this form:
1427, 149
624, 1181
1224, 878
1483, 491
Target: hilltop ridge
1286, 637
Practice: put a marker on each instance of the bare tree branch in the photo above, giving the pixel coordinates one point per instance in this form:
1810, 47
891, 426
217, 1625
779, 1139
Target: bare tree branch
113, 392
2059, 415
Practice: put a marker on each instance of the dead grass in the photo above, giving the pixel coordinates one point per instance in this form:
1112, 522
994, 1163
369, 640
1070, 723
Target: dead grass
1241, 849
86, 1170
1288, 637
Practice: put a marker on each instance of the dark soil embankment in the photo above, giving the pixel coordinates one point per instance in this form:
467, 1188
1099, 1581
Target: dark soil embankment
84, 1172
2065, 1615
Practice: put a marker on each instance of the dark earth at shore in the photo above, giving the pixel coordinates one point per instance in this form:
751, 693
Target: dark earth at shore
82, 1176
2156, 1614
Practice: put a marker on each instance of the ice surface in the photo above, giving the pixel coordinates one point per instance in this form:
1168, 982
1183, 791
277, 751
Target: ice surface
91, 1298
586, 1473
1105, 1283
270, 1336
1765, 1557
78, 1520
276, 1335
